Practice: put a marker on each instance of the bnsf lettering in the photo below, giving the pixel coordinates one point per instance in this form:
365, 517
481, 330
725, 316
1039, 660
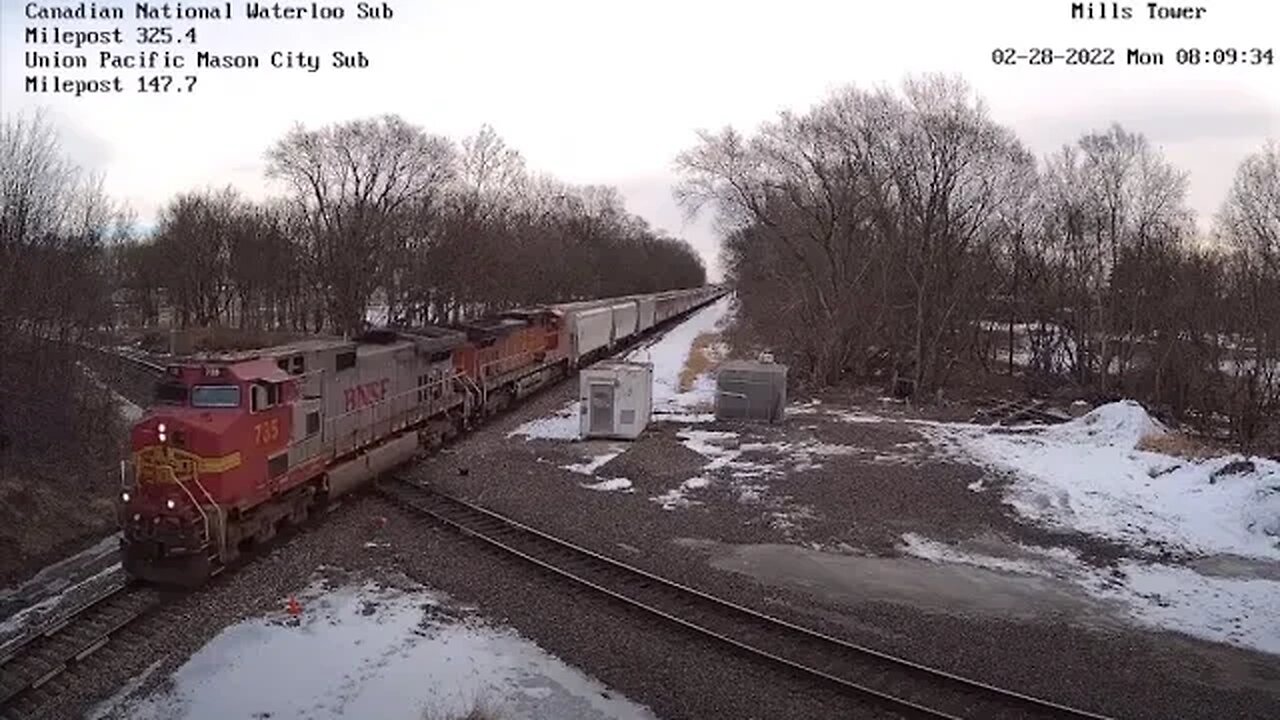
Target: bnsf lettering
366, 394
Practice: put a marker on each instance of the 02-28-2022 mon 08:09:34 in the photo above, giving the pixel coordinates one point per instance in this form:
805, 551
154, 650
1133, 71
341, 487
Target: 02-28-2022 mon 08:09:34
1244, 57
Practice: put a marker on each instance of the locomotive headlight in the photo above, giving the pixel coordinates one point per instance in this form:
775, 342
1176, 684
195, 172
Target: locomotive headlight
124, 497
170, 504
163, 437
161, 427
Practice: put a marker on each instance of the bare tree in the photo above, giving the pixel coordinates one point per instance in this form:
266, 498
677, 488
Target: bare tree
351, 181
54, 288
1249, 223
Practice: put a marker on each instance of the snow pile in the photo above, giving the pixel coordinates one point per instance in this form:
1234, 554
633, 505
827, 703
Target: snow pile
373, 652
1088, 475
1236, 610
564, 425
670, 354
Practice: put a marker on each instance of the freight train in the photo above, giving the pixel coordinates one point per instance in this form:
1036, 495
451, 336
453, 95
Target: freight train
238, 445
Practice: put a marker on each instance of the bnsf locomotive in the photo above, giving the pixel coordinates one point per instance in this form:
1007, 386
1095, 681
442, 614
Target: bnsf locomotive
238, 445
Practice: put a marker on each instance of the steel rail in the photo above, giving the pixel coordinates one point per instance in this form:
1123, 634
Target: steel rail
71, 638
986, 697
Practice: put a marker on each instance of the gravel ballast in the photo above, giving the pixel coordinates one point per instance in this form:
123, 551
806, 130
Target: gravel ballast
861, 505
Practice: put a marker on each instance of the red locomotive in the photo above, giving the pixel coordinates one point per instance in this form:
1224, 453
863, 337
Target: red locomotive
238, 445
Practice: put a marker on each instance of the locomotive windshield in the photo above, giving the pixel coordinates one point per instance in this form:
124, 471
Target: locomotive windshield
215, 396
171, 393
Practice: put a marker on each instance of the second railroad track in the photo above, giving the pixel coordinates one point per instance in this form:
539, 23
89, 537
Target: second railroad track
896, 684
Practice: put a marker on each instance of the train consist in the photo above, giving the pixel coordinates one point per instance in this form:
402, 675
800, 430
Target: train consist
237, 445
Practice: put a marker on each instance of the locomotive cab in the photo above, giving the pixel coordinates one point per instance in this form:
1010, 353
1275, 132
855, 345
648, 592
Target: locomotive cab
210, 425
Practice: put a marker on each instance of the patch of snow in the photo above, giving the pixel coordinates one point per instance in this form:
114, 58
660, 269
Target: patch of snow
1088, 475
374, 652
563, 425
1236, 610
595, 463
59, 575
679, 417
679, 496
610, 484
922, 547
669, 355
1239, 611
39, 612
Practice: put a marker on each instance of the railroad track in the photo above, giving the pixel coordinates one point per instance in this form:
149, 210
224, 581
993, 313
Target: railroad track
894, 683
67, 639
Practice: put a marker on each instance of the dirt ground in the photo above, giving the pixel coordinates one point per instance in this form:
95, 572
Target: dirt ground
813, 535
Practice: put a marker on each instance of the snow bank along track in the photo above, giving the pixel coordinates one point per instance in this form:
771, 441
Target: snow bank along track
898, 685
38, 656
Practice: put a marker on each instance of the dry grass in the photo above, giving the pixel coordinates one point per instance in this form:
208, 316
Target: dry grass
704, 356
1180, 445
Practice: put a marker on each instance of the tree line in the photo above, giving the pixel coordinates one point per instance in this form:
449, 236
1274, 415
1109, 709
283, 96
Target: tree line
904, 233
379, 210
373, 211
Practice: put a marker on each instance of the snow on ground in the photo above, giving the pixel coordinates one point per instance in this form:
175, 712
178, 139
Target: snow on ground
622, 484
1236, 610
1088, 475
1220, 516
596, 462
370, 651
669, 356
749, 479
57, 588
563, 425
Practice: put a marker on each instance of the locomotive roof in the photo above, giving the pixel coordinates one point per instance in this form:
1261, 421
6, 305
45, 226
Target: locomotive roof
427, 338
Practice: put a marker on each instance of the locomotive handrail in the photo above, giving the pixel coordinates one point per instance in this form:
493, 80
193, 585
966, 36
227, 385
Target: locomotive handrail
204, 517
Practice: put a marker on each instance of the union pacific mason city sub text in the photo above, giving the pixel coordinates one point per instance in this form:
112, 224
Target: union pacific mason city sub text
166, 60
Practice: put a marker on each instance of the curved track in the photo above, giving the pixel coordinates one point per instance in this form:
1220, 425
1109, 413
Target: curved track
894, 683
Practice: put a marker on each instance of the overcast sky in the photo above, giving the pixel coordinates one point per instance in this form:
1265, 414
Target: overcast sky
610, 92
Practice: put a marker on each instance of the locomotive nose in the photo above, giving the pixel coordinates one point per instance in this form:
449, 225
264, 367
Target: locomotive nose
162, 430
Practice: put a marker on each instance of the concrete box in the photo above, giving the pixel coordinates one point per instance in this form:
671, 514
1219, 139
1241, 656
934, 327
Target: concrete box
751, 390
616, 398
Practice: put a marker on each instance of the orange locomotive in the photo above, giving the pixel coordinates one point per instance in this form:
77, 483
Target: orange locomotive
238, 445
